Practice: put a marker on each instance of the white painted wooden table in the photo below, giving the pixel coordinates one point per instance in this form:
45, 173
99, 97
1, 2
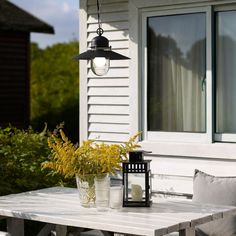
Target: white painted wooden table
60, 206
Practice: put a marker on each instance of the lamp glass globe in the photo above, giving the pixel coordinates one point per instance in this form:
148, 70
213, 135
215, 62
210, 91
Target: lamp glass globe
100, 65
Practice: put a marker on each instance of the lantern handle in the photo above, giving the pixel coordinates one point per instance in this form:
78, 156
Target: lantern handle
143, 151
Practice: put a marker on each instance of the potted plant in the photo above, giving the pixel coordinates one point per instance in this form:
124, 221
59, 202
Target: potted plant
86, 161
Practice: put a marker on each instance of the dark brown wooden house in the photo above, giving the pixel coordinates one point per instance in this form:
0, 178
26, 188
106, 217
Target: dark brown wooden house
15, 27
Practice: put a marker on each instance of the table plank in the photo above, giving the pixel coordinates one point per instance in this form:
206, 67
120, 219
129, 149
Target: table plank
61, 206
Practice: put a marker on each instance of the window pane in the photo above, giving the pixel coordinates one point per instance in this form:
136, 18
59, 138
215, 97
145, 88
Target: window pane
176, 90
226, 72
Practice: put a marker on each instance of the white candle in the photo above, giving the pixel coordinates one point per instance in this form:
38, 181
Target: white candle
136, 192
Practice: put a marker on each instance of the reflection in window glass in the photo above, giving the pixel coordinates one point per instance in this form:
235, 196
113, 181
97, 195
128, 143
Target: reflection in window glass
225, 72
176, 88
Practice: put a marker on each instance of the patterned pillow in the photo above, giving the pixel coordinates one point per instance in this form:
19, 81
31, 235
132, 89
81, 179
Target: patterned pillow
215, 190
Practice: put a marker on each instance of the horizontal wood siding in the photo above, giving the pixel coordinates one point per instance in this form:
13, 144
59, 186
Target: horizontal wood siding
175, 174
108, 96
109, 119
14, 79
108, 101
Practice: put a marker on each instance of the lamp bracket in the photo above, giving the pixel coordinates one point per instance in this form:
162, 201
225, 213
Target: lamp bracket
100, 31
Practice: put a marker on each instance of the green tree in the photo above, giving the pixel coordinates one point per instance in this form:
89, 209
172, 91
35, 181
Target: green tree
55, 87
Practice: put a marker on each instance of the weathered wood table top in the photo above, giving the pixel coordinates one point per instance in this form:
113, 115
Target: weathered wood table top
61, 206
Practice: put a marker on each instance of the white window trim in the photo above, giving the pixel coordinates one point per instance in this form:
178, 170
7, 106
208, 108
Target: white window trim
205, 137
210, 149
225, 137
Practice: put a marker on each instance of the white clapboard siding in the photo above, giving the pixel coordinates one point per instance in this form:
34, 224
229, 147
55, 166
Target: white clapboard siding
110, 137
101, 82
119, 63
109, 119
172, 184
108, 101
108, 97
185, 166
113, 7
122, 44
122, 25
109, 17
175, 174
108, 91
101, 109
110, 128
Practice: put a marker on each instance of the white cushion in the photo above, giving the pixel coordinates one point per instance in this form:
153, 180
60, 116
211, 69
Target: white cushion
215, 190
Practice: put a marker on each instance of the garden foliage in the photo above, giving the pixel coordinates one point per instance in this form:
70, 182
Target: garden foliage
21, 155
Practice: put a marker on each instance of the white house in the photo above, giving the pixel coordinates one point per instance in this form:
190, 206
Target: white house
178, 88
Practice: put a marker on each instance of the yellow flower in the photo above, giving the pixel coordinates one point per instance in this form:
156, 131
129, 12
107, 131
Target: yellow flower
88, 158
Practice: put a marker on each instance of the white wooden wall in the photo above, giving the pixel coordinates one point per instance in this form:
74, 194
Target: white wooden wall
105, 102
174, 174
108, 97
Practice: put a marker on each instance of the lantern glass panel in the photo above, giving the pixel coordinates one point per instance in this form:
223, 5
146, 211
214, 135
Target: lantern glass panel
136, 186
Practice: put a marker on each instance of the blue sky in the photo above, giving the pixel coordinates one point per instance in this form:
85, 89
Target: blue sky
63, 15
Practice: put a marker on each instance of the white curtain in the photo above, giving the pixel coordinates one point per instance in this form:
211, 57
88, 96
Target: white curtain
183, 105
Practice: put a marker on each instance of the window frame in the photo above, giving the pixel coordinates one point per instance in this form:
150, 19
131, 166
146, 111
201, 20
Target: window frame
222, 137
162, 136
211, 150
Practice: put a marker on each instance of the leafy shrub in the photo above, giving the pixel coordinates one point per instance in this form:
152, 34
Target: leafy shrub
21, 155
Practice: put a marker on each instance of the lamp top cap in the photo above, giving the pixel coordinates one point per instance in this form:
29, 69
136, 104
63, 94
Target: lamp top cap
137, 155
99, 42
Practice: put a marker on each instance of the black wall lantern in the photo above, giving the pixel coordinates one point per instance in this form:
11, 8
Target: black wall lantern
137, 181
100, 53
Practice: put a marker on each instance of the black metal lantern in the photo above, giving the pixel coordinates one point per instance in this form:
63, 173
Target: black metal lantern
137, 181
100, 53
